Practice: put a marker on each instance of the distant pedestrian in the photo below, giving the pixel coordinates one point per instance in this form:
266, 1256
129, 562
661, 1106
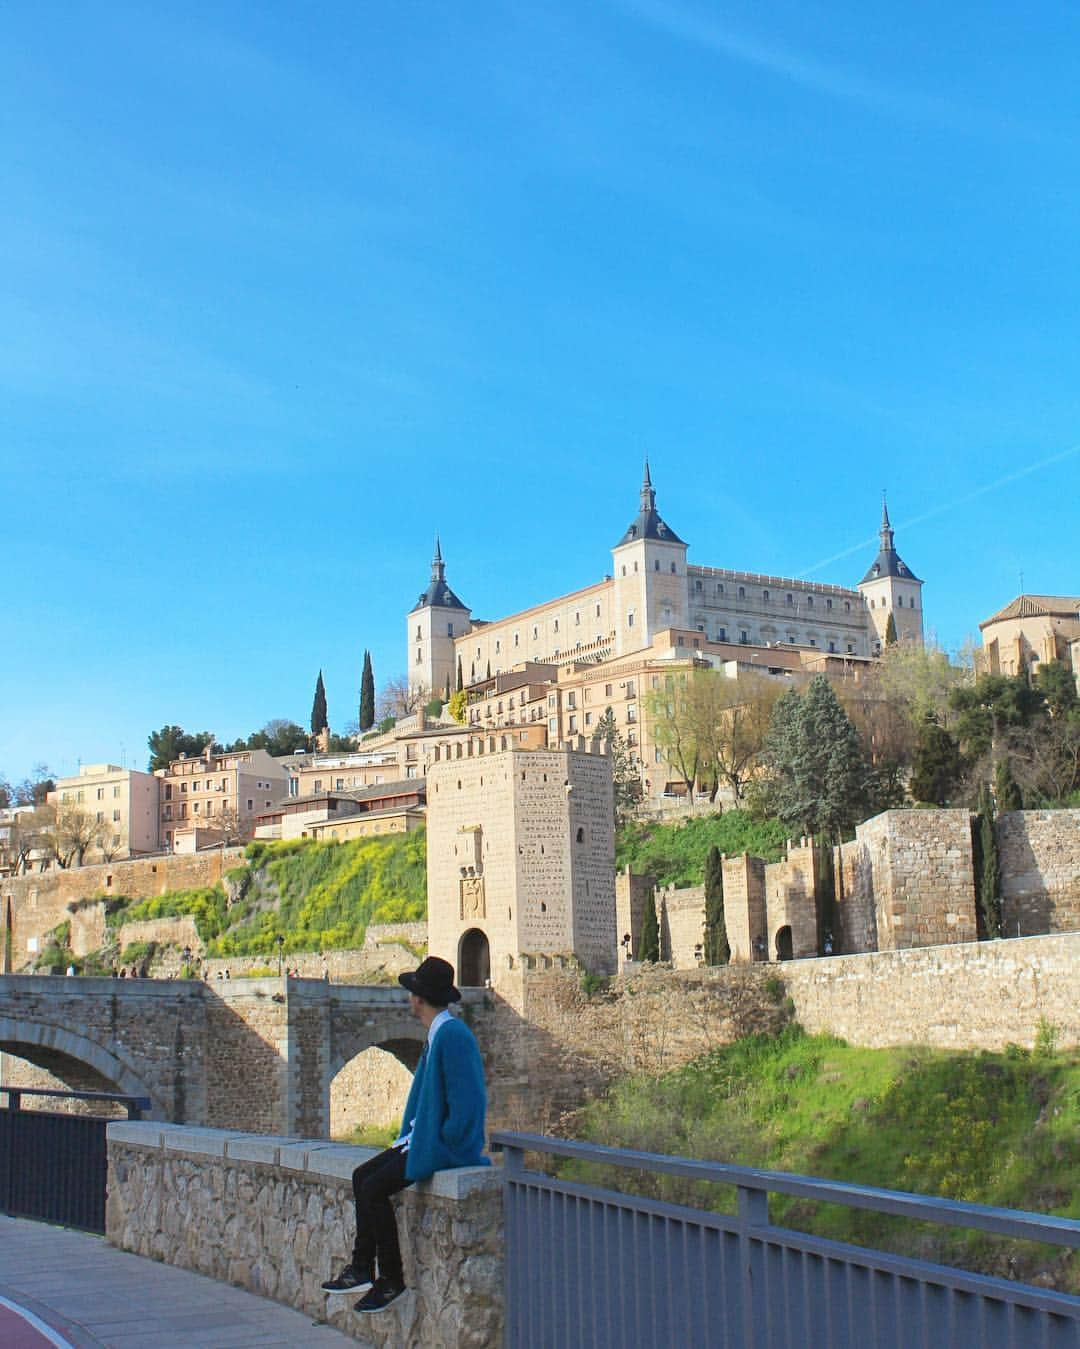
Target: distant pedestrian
70, 971
443, 1128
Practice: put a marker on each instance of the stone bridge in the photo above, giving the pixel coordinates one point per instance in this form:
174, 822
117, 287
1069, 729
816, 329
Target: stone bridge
257, 1054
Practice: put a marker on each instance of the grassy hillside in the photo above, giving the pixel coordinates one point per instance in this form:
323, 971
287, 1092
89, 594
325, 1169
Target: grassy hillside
317, 895
1000, 1129
675, 853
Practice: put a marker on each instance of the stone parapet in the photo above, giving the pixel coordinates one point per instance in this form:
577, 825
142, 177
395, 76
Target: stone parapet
275, 1215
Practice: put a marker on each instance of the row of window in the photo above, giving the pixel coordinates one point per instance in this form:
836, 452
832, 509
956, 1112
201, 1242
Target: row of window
766, 596
656, 567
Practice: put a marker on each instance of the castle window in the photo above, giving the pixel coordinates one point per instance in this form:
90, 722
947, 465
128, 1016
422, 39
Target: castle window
419, 656
809, 601
847, 606
697, 586
790, 599
871, 604
899, 601
742, 592
630, 619
721, 634
765, 596
832, 646
635, 566
656, 565
535, 632
515, 639
673, 571
720, 589
744, 636
679, 641
850, 649
418, 632
498, 646
581, 835
828, 604
577, 619
911, 602
449, 629
598, 611
813, 641
624, 569
556, 625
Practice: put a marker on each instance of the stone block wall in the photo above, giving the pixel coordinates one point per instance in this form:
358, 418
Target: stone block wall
979, 995
681, 914
275, 1216
744, 908
1039, 855
791, 903
632, 893
39, 902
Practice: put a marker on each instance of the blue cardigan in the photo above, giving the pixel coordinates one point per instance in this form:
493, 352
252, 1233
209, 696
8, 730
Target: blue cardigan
448, 1102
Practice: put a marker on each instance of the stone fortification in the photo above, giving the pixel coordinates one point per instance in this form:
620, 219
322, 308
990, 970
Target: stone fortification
681, 916
744, 908
1039, 854
791, 910
632, 892
39, 902
913, 870
980, 995
521, 857
275, 1216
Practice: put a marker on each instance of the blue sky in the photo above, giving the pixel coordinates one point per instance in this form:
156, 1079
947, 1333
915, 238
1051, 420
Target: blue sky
288, 288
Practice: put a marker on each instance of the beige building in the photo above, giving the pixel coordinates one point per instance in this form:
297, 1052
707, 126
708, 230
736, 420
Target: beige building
314, 774
393, 808
521, 858
1029, 630
207, 791
123, 800
652, 588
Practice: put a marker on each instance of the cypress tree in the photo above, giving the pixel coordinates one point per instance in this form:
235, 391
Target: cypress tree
987, 872
717, 950
318, 707
890, 630
649, 945
488, 675
446, 690
367, 695
936, 765
460, 681
1006, 792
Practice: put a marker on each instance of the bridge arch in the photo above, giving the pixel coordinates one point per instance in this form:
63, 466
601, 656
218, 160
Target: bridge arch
370, 1089
48, 1046
474, 959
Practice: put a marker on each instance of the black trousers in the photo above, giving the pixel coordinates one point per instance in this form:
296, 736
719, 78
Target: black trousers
376, 1230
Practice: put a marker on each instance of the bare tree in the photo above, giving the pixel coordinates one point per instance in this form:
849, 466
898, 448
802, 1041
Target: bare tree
399, 698
76, 831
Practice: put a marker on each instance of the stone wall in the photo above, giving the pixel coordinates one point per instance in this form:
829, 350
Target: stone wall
744, 908
1039, 854
791, 903
39, 902
681, 914
980, 995
370, 1090
913, 870
275, 1216
632, 893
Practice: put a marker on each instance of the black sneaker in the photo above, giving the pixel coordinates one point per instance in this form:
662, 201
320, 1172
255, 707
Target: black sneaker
348, 1281
381, 1294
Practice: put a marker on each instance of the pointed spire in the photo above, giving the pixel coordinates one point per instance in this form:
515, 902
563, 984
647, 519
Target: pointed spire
648, 495
438, 566
886, 531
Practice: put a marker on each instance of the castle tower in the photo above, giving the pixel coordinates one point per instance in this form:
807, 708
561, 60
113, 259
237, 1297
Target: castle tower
890, 587
650, 577
432, 624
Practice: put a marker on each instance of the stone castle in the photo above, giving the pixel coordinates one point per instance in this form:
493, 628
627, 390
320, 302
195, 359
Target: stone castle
652, 589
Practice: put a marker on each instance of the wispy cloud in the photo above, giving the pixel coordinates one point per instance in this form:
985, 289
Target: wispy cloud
947, 506
723, 40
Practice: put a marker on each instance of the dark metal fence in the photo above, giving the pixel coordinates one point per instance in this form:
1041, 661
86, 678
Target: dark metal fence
592, 1267
53, 1167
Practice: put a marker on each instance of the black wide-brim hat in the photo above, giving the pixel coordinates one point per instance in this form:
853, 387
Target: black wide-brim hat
433, 981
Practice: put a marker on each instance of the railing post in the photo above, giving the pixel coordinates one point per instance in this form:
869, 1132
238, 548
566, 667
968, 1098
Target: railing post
753, 1214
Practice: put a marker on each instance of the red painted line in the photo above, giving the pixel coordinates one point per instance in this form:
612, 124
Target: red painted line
21, 1329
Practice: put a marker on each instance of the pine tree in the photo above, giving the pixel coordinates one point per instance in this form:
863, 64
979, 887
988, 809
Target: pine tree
367, 695
717, 950
1006, 791
649, 945
460, 681
318, 708
890, 630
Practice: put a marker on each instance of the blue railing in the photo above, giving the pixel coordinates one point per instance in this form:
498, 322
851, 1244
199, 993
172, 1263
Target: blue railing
593, 1267
53, 1167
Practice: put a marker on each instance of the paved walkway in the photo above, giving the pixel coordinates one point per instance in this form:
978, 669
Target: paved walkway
78, 1292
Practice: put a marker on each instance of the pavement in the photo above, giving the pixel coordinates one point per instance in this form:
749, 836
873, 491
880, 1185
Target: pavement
72, 1290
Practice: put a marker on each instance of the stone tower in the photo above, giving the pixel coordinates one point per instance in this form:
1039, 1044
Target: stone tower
891, 587
650, 577
520, 858
433, 623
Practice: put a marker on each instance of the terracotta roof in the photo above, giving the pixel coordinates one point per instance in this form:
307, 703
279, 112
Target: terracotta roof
1037, 606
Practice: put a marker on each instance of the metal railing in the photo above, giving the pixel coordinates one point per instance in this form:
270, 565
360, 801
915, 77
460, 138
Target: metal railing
593, 1267
53, 1167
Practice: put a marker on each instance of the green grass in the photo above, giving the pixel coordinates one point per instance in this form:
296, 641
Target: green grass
317, 895
371, 1135
675, 853
1000, 1129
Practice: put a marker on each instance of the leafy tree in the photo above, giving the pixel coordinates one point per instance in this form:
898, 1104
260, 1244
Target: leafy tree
341, 744
625, 777
987, 871
819, 778
172, 741
458, 704
367, 695
1007, 794
433, 707
673, 727
318, 708
989, 707
717, 950
938, 764
1057, 683
278, 737
890, 630
649, 944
